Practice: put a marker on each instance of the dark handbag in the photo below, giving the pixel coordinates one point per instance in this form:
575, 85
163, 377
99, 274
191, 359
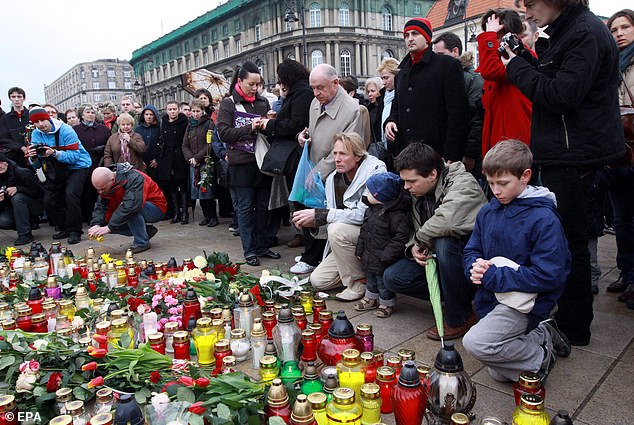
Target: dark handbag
627, 120
222, 169
378, 150
54, 170
282, 158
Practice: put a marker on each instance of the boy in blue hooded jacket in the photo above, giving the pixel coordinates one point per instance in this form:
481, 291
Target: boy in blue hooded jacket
518, 257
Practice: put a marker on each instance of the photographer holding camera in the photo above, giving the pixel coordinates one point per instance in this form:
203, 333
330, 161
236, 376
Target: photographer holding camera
575, 130
20, 199
507, 112
67, 164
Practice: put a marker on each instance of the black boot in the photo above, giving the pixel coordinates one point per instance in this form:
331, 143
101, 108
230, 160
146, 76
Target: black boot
213, 217
176, 207
204, 206
184, 198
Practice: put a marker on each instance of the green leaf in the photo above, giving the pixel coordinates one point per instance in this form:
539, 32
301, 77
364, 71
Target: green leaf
124, 340
223, 411
6, 361
81, 393
185, 394
38, 391
196, 419
140, 397
276, 420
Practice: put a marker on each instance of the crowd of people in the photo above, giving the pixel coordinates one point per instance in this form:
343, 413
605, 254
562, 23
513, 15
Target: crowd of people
495, 173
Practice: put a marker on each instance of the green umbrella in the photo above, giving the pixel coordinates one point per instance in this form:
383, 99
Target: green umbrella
434, 295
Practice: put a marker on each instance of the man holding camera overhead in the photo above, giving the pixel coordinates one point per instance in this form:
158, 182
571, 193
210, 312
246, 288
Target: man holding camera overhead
67, 164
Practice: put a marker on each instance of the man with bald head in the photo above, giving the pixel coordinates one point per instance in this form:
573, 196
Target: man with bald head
332, 111
128, 200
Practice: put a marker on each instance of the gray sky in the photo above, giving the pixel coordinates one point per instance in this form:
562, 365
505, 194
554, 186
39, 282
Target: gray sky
42, 39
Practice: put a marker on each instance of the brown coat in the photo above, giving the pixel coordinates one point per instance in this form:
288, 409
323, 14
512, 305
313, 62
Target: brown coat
195, 141
112, 154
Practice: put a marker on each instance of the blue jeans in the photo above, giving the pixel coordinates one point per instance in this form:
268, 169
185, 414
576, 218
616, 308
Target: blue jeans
375, 289
251, 205
136, 224
408, 277
622, 194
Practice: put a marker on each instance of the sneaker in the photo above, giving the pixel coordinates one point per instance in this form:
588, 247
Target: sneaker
23, 240
139, 248
561, 344
151, 231
547, 364
354, 292
74, 238
233, 228
302, 268
298, 258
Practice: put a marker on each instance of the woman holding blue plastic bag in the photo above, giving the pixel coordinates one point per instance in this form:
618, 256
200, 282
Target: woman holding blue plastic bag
341, 218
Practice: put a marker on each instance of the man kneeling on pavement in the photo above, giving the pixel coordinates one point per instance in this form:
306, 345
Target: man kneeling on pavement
128, 200
445, 201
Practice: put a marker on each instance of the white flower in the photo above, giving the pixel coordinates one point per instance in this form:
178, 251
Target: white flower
200, 261
210, 276
40, 344
202, 301
78, 322
26, 382
160, 402
265, 272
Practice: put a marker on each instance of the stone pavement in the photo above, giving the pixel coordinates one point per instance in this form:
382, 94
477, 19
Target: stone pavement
592, 383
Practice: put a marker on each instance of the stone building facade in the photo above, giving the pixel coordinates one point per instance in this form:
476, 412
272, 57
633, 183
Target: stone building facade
352, 35
93, 82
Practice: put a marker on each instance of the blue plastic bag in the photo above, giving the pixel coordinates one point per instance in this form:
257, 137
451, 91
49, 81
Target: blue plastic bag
313, 195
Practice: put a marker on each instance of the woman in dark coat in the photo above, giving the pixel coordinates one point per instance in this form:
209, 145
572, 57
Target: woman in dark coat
150, 129
196, 150
172, 171
250, 189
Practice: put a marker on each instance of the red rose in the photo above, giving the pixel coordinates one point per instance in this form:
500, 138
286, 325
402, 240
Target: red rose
187, 381
197, 408
54, 382
155, 377
202, 382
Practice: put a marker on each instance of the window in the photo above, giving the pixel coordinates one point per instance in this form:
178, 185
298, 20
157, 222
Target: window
83, 86
127, 74
110, 72
95, 85
387, 19
214, 35
127, 85
170, 54
344, 15
95, 73
112, 85
316, 58
196, 42
258, 31
84, 98
186, 47
113, 96
179, 50
344, 62
388, 54
205, 38
227, 50
236, 25
315, 15
417, 8
164, 57
238, 46
225, 29
216, 54
290, 26
97, 97
83, 74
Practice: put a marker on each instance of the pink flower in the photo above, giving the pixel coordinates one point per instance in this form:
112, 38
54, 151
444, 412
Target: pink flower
143, 308
179, 309
155, 300
31, 366
172, 310
173, 319
170, 300
163, 320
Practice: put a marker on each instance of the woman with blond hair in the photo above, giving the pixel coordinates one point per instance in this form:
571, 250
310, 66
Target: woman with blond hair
125, 145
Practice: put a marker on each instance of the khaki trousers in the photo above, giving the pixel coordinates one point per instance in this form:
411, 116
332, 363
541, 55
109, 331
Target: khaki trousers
340, 266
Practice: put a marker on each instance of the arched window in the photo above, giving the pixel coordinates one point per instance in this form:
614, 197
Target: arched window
316, 58
344, 14
387, 19
388, 54
315, 15
344, 63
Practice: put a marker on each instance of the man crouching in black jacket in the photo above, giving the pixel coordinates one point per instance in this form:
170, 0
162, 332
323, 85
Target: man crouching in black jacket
575, 129
21, 199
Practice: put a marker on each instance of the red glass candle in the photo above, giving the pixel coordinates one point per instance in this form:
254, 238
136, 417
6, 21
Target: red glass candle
319, 305
365, 336
102, 328
528, 383
24, 319
395, 363
269, 321
317, 329
325, 320
379, 358
277, 403
386, 379
408, 397
39, 324
8, 410
340, 338
309, 354
133, 278
367, 360
300, 319
181, 345
157, 342
9, 325
150, 271
222, 349
35, 300
191, 307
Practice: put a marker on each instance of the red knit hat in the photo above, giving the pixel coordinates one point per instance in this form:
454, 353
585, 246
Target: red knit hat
38, 113
422, 25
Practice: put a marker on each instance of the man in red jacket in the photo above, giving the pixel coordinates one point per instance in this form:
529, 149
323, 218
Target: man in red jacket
128, 199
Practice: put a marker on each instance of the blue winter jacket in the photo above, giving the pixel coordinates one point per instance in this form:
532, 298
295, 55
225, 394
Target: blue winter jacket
150, 134
72, 152
529, 232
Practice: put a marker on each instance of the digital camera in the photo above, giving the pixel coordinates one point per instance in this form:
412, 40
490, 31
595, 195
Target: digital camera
514, 43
